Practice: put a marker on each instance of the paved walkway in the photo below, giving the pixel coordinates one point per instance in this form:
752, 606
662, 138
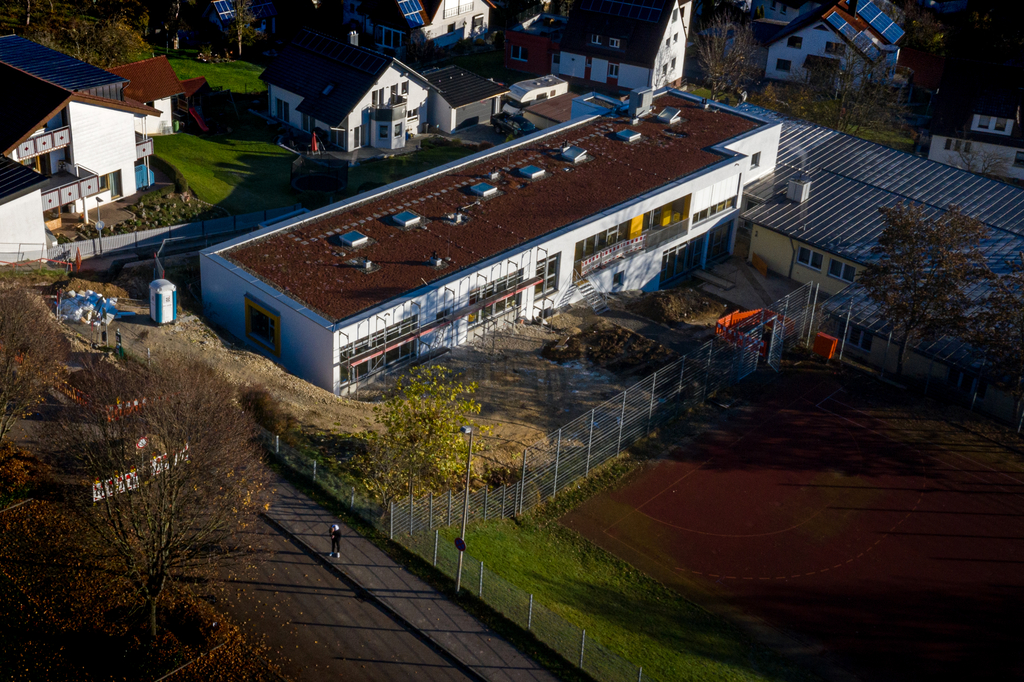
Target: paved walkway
408, 598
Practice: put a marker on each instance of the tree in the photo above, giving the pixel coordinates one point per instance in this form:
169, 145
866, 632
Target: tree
923, 269
727, 53
175, 480
106, 43
925, 32
241, 26
419, 448
33, 353
998, 332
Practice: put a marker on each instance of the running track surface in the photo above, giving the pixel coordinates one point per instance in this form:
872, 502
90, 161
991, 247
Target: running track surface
904, 562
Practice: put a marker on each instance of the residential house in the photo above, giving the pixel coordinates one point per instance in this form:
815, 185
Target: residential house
827, 32
360, 97
154, 82
620, 46
460, 99
221, 13
977, 121
533, 46
395, 24
815, 218
73, 125
600, 204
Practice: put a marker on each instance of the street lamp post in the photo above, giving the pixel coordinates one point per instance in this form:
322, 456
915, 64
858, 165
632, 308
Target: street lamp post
465, 506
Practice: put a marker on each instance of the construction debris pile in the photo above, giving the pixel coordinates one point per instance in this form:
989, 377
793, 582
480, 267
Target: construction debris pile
88, 307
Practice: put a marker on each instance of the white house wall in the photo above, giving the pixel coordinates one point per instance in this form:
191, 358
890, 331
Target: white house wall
441, 113
275, 93
814, 41
633, 76
438, 28
157, 125
103, 140
22, 230
1001, 160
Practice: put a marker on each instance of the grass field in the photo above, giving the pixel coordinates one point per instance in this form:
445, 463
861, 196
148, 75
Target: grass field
238, 76
632, 614
242, 171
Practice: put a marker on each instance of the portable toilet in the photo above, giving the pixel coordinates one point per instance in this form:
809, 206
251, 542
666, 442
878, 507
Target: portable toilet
163, 301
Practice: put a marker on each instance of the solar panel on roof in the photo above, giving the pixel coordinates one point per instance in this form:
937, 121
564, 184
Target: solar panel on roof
412, 11
350, 55
55, 67
880, 21
644, 10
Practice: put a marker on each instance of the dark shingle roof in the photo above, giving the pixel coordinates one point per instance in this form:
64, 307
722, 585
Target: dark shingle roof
970, 87
313, 61
641, 40
53, 66
150, 79
26, 103
17, 180
459, 87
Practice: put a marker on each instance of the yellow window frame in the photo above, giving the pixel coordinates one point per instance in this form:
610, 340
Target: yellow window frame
251, 305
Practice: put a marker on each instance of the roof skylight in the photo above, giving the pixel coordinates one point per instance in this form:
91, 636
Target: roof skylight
669, 115
531, 172
627, 135
483, 189
354, 239
574, 154
406, 219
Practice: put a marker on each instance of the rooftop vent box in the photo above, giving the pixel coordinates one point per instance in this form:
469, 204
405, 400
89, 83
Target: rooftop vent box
799, 190
627, 135
531, 172
354, 239
669, 115
640, 101
574, 154
482, 189
406, 219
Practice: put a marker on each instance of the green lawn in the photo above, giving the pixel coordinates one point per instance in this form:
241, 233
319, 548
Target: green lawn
632, 614
242, 171
239, 76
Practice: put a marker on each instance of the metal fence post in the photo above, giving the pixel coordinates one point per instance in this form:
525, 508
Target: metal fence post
622, 421
352, 500
640, 675
504, 490
590, 440
480, 588
814, 305
583, 644
449, 506
846, 331
558, 454
314, 471
522, 485
277, 445
391, 533
410, 508
529, 614
650, 409
430, 511
485, 503
436, 534
682, 370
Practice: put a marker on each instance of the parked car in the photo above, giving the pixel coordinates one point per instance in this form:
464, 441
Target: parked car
512, 124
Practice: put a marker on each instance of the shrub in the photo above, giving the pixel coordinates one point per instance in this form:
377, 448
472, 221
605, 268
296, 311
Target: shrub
180, 182
265, 410
15, 472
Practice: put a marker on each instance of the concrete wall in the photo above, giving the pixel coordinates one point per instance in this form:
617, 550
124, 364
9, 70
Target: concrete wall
103, 140
993, 158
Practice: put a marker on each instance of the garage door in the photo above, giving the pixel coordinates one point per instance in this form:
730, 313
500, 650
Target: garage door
471, 114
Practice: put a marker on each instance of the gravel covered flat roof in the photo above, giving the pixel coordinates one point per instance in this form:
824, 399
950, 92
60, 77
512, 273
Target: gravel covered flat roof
309, 263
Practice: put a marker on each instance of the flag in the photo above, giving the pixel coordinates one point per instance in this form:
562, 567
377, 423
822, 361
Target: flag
314, 142
78, 260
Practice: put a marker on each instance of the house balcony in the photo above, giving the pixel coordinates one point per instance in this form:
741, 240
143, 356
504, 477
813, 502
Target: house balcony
45, 142
395, 110
604, 257
658, 236
462, 8
66, 187
143, 146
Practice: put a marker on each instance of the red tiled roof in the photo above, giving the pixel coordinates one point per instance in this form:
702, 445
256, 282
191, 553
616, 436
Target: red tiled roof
309, 265
927, 67
150, 79
191, 86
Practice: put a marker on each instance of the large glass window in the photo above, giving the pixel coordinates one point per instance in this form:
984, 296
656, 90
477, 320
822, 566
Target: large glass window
713, 210
263, 326
381, 339
718, 240
505, 305
841, 270
679, 259
811, 259
548, 269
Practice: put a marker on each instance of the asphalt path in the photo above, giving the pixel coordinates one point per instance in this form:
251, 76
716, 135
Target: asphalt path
318, 628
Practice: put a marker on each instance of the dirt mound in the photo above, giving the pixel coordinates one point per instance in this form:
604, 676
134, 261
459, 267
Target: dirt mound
107, 290
612, 347
679, 305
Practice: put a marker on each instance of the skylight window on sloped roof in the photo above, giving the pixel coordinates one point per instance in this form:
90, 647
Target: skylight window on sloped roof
328, 89
668, 115
574, 154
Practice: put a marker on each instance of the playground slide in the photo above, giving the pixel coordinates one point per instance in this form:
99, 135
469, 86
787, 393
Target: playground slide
199, 119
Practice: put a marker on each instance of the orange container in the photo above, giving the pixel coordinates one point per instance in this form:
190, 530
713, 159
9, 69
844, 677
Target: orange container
825, 345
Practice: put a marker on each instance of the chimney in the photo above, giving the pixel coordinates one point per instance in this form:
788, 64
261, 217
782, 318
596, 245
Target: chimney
799, 189
853, 7
353, 38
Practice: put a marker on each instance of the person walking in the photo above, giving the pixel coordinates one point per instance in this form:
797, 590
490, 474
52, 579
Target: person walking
335, 540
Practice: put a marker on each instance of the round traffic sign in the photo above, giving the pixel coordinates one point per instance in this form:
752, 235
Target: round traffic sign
460, 544
142, 443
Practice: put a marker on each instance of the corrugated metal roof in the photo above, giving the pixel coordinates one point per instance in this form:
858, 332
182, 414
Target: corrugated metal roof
53, 66
850, 179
